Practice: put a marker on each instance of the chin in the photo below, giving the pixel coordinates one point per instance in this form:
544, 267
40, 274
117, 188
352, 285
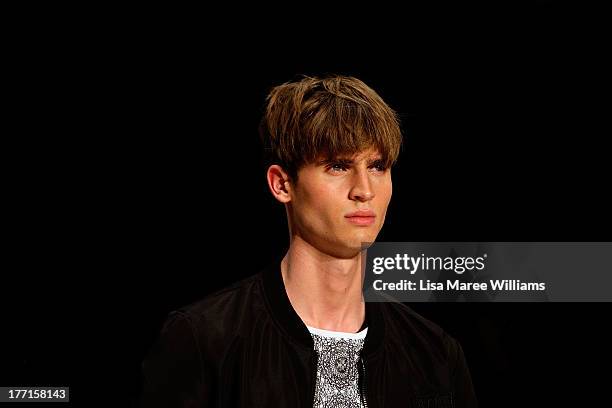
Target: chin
368, 237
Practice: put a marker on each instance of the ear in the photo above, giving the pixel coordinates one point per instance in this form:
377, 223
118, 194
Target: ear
279, 183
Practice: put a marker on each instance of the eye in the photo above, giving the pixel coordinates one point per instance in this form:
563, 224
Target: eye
337, 167
379, 166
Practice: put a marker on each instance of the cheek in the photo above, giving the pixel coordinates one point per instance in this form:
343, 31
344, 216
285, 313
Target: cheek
389, 192
320, 202
325, 199
384, 193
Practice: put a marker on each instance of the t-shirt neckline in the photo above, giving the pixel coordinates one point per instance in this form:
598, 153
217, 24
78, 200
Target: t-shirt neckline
338, 334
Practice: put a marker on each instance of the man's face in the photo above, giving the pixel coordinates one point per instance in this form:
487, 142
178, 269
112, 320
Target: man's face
337, 205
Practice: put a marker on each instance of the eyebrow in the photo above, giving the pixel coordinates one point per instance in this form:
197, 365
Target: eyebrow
349, 162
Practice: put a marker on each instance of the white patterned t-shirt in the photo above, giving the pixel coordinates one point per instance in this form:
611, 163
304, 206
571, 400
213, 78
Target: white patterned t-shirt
337, 368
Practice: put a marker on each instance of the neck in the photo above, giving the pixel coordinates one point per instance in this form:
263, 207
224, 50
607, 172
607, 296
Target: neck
326, 292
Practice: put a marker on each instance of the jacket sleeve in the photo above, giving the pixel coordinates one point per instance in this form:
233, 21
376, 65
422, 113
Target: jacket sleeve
463, 389
173, 375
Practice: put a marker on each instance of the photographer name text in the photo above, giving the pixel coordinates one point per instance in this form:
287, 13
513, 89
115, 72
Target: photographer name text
458, 285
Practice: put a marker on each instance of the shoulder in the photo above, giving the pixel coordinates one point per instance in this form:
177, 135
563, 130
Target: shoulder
223, 299
213, 321
191, 346
224, 309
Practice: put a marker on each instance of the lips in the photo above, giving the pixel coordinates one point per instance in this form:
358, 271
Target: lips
361, 217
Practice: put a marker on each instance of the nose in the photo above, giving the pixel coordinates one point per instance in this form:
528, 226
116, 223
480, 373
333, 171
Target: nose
361, 189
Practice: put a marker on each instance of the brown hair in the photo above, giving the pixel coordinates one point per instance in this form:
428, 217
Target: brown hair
337, 115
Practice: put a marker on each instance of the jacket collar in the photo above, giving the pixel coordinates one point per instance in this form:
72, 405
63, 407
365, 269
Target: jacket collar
289, 321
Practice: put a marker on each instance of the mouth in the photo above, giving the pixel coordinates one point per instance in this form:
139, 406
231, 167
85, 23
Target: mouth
361, 217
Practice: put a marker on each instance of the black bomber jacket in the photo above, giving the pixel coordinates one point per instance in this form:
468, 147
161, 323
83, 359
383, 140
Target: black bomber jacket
245, 346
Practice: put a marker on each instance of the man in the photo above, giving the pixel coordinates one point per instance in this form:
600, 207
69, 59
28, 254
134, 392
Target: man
299, 333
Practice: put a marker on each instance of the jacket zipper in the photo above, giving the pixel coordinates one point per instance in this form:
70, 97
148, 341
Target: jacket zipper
363, 383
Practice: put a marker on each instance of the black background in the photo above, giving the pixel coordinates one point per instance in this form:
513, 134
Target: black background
136, 185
